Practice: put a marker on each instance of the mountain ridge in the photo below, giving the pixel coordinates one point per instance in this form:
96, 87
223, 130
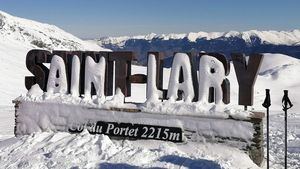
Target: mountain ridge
253, 41
271, 36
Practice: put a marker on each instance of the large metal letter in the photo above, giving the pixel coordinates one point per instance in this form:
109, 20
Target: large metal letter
122, 70
246, 73
34, 63
226, 84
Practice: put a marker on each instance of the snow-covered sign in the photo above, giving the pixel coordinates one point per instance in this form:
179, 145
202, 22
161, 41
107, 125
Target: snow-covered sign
86, 90
100, 73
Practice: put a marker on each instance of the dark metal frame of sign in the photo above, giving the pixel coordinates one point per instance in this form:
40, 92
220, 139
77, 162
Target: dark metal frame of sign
120, 62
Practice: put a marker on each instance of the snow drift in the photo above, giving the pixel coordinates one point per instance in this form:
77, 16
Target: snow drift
45, 150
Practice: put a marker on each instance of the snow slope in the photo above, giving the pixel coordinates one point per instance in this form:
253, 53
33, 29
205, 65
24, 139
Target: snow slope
45, 150
278, 72
36, 34
17, 37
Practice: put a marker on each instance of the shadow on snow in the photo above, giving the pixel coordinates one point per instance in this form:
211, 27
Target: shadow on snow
175, 160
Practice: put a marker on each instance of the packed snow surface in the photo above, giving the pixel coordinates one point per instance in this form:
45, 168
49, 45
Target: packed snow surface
64, 150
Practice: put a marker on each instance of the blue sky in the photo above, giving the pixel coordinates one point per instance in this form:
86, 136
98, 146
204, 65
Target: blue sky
95, 18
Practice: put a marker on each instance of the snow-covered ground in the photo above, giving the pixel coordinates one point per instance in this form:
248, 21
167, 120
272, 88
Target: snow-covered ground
64, 150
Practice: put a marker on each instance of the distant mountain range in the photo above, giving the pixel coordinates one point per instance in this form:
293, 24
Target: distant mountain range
32, 34
253, 41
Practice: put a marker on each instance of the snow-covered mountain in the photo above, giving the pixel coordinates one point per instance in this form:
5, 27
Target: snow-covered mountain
268, 37
40, 35
253, 41
17, 37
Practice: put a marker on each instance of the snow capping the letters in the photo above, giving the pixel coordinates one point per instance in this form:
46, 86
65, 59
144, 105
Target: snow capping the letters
197, 109
200, 109
181, 60
40, 111
58, 111
206, 79
95, 73
152, 92
35, 118
209, 79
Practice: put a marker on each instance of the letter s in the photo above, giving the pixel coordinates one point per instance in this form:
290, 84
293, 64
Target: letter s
34, 63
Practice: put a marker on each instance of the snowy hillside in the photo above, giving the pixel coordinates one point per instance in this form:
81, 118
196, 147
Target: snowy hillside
17, 37
35, 34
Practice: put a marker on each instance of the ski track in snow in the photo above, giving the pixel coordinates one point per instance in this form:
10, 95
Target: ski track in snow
6, 122
277, 140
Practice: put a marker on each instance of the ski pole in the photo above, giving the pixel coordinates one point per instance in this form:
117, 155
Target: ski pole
267, 104
286, 104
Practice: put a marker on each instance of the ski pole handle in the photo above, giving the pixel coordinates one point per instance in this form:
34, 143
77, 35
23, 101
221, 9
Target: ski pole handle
267, 102
286, 103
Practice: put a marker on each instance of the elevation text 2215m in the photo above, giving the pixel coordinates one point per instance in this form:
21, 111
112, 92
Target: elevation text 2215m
135, 131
